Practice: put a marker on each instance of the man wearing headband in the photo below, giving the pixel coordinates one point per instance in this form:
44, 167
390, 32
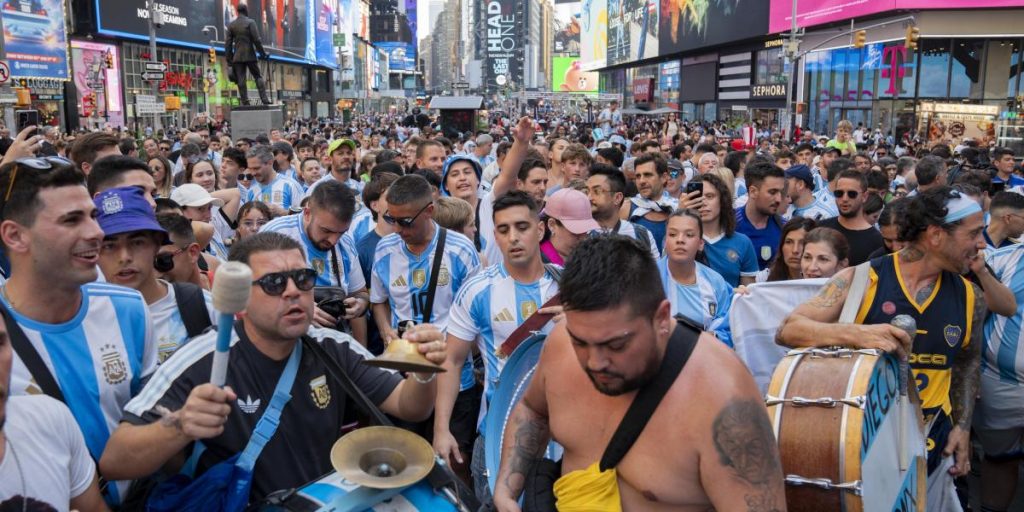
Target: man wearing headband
943, 232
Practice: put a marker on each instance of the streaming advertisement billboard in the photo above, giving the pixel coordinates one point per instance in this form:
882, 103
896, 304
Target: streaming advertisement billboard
693, 25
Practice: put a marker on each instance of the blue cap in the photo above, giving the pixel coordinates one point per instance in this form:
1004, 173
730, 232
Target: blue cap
448, 164
125, 210
801, 172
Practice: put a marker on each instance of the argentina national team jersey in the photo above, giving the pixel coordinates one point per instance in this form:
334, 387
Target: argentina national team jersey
362, 222
355, 186
707, 301
1002, 356
351, 273
98, 358
282, 191
488, 309
817, 210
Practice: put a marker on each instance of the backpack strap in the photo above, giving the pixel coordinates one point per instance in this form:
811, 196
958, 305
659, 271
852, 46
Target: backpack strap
30, 357
192, 307
435, 272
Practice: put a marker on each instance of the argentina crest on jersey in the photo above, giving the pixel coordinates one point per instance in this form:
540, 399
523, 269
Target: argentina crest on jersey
320, 392
114, 369
443, 276
318, 265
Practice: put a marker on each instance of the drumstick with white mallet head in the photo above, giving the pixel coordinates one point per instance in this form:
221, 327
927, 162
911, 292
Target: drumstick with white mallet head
907, 324
231, 287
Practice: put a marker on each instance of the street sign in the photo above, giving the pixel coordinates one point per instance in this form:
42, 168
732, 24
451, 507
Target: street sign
8, 98
153, 76
460, 85
339, 39
156, 66
5, 72
149, 104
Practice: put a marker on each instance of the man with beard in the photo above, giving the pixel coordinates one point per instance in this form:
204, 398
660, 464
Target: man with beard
943, 232
650, 208
606, 189
864, 238
321, 229
697, 450
759, 219
44, 463
343, 160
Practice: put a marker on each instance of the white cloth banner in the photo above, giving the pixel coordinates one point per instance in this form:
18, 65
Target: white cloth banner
756, 316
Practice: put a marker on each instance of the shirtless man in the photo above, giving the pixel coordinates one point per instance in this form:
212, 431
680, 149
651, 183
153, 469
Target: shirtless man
700, 449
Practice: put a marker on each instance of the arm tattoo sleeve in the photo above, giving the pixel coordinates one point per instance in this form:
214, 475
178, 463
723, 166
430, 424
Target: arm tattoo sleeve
746, 446
830, 294
967, 367
531, 437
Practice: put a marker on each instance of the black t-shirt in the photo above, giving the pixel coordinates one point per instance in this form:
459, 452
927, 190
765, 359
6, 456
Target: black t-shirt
311, 422
862, 242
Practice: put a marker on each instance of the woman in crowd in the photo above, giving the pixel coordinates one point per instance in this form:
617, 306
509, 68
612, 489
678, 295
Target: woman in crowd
457, 215
251, 217
727, 252
826, 252
162, 175
791, 249
202, 173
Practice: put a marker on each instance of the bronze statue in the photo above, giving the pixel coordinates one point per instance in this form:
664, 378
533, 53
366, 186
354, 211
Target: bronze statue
242, 48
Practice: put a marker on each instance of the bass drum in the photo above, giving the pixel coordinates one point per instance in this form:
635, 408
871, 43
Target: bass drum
841, 418
333, 493
512, 382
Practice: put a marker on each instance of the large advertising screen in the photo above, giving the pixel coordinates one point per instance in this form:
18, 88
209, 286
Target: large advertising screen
502, 44
567, 28
401, 56
567, 75
818, 12
594, 34
35, 39
693, 25
325, 12
632, 30
92, 75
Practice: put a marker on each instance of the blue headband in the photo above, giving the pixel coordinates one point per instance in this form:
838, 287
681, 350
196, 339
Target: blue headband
960, 207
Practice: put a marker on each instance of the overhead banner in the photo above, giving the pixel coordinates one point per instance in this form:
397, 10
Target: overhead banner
502, 43
594, 34
401, 56
632, 30
325, 53
819, 12
97, 80
567, 29
35, 39
694, 25
567, 75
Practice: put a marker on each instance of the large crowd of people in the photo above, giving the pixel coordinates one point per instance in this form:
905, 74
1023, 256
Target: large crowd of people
634, 234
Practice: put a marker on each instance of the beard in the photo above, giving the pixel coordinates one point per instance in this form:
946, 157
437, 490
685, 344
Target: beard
850, 214
623, 385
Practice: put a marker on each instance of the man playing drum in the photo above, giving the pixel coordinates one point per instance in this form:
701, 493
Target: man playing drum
943, 231
707, 444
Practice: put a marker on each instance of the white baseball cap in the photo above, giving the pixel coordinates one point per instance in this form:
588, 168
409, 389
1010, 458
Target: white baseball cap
194, 196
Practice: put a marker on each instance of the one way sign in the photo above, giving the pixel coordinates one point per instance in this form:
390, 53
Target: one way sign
153, 76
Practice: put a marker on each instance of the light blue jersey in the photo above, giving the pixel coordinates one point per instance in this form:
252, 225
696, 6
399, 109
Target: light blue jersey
98, 359
169, 331
282, 191
355, 186
488, 308
351, 273
1003, 355
819, 209
402, 279
362, 222
706, 302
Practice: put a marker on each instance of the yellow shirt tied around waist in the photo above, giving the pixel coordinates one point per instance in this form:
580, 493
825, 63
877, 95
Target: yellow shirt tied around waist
587, 490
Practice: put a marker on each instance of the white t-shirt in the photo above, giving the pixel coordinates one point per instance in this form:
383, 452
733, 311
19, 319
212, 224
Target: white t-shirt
45, 457
168, 327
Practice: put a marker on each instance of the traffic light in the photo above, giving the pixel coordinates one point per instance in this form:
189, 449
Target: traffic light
109, 60
860, 38
213, 56
913, 34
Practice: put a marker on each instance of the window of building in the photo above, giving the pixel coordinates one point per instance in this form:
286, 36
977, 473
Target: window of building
771, 67
965, 68
934, 68
1002, 67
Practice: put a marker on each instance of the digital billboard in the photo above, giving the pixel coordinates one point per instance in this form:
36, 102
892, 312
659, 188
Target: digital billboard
35, 39
632, 30
594, 34
567, 29
401, 56
693, 25
818, 12
325, 53
502, 44
92, 75
567, 75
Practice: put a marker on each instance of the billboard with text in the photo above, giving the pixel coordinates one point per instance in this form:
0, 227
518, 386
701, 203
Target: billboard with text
35, 39
632, 30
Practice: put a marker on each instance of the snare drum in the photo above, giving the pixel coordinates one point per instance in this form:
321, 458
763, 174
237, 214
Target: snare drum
335, 494
836, 415
511, 385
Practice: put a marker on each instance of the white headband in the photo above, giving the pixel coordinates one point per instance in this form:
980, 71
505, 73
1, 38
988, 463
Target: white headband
959, 207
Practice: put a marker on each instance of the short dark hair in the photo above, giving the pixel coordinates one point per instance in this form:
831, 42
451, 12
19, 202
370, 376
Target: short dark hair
607, 271
421, 147
660, 164
167, 205
613, 155
264, 241
242, 9
734, 161
303, 143
177, 225
976, 178
877, 180
873, 204
838, 166
803, 146
851, 174
925, 209
334, 198
411, 188
503, 148
432, 178
904, 164
126, 145
941, 151
108, 170
1006, 199
23, 204
86, 146
892, 212
704, 148
758, 171
513, 199
678, 150
376, 187
616, 180
928, 169
528, 165
235, 155
999, 152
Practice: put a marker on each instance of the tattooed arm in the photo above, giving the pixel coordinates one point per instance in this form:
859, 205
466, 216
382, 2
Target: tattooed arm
963, 390
813, 323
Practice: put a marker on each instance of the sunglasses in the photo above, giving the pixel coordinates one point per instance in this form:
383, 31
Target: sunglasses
46, 163
163, 262
674, 174
852, 194
246, 177
274, 283
405, 222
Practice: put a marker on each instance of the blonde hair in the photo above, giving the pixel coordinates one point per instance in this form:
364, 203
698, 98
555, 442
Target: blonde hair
844, 124
726, 174
453, 213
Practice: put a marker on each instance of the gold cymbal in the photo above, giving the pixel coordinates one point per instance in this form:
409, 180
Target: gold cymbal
404, 356
382, 457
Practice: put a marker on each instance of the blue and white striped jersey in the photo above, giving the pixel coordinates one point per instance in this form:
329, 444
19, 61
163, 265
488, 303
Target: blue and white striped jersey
488, 308
355, 186
707, 301
362, 222
282, 191
1003, 354
351, 273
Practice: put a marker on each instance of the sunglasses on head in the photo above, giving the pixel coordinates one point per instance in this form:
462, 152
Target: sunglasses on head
246, 177
274, 283
852, 194
46, 163
405, 222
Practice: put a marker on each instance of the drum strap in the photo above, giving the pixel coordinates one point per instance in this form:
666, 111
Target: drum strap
677, 352
435, 272
856, 294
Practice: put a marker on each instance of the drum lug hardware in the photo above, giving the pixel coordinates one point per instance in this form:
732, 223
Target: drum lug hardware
799, 401
825, 483
834, 352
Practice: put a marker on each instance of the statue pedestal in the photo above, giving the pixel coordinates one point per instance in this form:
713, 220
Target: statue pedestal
253, 120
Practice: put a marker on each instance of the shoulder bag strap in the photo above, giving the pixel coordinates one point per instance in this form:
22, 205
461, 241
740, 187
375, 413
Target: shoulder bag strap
856, 294
192, 308
334, 262
428, 311
267, 425
30, 357
680, 346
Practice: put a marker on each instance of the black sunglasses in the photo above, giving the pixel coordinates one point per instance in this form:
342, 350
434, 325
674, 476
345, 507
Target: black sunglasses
852, 194
405, 222
247, 177
274, 283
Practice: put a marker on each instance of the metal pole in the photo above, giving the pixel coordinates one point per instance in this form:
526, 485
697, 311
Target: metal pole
790, 53
152, 52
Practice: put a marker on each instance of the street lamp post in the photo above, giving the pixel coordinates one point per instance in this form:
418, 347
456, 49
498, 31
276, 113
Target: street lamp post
792, 47
153, 22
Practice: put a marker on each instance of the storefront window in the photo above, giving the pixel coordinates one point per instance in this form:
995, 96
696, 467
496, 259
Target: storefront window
770, 67
965, 72
934, 68
1002, 61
